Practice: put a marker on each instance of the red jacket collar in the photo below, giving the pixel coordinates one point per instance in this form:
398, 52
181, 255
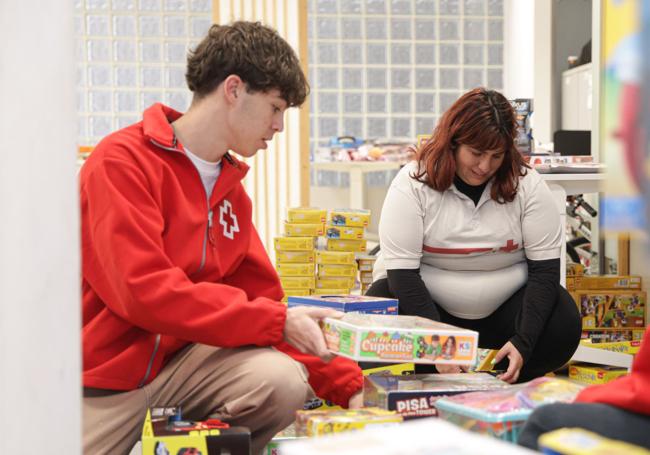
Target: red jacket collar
157, 126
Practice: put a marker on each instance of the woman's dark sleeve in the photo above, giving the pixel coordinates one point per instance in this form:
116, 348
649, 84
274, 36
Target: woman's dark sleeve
540, 297
414, 298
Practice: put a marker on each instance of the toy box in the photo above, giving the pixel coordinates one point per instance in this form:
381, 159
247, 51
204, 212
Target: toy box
167, 434
414, 396
395, 369
350, 217
625, 347
576, 441
306, 215
295, 269
288, 434
304, 229
586, 282
366, 262
575, 269
502, 413
344, 232
294, 257
333, 282
612, 335
326, 270
611, 309
294, 243
332, 292
348, 303
346, 245
594, 374
387, 338
319, 423
298, 292
297, 282
334, 257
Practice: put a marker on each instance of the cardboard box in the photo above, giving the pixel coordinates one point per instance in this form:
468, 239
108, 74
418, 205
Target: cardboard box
414, 396
298, 292
161, 436
326, 291
576, 441
387, 338
304, 230
614, 282
611, 309
333, 282
349, 217
346, 245
612, 335
320, 423
297, 282
344, 232
294, 257
366, 263
326, 270
594, 374
348, 303
334, 257
575, 269
295, 269
294, 243
625, 347
306, 215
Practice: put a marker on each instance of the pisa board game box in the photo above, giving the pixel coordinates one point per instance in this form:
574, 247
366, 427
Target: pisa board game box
348, 303
165, 433
394, 338
414, 396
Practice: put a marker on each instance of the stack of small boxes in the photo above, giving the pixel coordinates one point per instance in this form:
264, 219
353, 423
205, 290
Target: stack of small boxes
366, 265
295, 251
612, 309
337, 267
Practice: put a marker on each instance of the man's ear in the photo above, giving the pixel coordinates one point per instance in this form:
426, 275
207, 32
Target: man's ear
233, 86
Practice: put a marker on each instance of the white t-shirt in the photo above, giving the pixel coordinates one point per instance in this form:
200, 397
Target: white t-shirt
209, 171
471, 258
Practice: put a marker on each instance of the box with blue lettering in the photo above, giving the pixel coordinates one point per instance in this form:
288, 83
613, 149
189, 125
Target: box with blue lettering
414, 396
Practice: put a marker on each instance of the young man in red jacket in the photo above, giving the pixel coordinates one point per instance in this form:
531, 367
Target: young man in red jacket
617, 410
180, 301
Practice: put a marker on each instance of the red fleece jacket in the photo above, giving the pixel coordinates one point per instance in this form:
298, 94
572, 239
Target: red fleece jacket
631, 392
163, 266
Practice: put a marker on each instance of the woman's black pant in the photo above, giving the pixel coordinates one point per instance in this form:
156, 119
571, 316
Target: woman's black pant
555, 346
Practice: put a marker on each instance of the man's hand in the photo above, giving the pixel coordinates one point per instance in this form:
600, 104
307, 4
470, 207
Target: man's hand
356, 400
301, 330
515, 362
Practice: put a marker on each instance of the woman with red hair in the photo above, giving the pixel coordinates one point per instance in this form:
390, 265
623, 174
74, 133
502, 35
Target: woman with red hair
471, 236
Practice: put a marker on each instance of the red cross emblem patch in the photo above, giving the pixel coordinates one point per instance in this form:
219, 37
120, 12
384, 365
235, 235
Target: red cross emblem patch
228, 220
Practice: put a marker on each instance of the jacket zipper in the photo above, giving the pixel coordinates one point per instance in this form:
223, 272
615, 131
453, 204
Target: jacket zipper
151, 359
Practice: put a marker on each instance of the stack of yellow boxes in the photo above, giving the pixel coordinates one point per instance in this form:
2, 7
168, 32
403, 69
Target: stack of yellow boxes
366, 265
295, 251
337, 267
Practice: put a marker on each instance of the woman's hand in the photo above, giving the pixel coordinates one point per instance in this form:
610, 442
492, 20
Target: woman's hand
516, 361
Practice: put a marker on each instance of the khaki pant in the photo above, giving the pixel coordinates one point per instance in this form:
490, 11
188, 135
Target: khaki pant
259, 388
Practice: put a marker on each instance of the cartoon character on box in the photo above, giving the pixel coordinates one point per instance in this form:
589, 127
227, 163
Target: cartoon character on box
449, 348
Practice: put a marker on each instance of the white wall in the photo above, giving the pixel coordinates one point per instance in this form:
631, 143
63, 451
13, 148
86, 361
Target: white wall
39, 254
519, 59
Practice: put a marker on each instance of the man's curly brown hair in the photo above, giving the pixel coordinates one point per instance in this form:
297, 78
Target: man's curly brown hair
252, 51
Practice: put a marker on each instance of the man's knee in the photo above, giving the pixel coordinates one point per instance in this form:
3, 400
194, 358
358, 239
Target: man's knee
287, 383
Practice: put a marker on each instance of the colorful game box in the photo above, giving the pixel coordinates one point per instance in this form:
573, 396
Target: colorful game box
348, 303
325, 270
294, 243
344, 232
588, 282
387, 338
350, 217
414, 396
346, 245
306, 215
576, 441
334, 257
319, 423
595, 374
294, 257
611, 309
164, 433
304, 229
625, 347
502, 413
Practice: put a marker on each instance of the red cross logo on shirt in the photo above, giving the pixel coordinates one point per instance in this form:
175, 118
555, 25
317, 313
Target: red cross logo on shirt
228, 220
510, 246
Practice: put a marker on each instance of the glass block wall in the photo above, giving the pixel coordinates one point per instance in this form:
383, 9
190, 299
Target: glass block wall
388, 68
131, 54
